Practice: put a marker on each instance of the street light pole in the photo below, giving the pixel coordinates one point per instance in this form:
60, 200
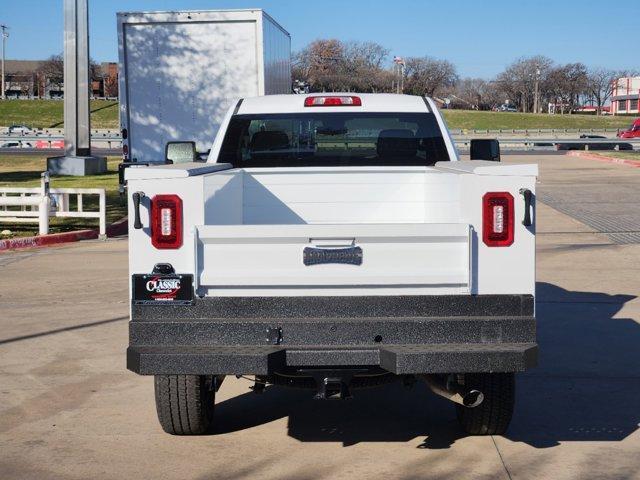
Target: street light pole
536, 98
5, 35
77, 159
399, 66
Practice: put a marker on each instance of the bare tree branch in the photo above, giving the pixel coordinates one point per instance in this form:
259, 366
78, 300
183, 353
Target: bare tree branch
428, 76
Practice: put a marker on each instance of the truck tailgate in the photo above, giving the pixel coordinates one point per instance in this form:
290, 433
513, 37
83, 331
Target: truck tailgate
341, 256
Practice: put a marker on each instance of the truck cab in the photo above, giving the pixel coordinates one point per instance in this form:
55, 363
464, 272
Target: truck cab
332, 242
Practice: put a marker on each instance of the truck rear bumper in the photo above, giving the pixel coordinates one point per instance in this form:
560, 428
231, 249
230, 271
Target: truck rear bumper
397, 359
403, 335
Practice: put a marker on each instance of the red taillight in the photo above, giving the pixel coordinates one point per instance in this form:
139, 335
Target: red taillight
333, 101
497, 219
166, 221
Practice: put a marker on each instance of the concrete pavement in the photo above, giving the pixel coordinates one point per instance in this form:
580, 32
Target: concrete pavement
70, 410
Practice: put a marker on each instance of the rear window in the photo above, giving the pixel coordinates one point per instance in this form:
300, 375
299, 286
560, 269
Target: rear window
333, 139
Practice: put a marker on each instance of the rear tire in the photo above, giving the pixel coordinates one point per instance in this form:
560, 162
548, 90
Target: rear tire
185, 403
493, 415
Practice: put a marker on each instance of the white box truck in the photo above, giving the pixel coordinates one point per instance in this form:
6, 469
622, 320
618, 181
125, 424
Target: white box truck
332, 241
180, 71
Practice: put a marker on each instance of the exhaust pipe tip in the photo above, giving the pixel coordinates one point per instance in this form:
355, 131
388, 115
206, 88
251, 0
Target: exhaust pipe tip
473, 398
446, 387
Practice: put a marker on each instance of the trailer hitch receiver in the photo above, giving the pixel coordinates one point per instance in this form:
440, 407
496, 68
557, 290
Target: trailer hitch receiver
333, 384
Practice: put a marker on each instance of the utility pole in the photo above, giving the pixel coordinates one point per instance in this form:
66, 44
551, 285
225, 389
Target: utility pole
536, 97
5, 35
399, 66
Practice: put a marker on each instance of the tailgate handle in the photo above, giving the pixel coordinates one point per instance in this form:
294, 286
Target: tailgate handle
318, 256
528, 196
137, 196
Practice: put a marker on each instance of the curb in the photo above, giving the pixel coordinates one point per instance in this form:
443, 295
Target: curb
602, 158
115, 229
119, 227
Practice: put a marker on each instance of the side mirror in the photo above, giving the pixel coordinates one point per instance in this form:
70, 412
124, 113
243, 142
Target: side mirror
485, 149
203, 156
180, 152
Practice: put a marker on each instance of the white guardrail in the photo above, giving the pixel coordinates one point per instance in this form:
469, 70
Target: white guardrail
533, 142
528, 140
37, 204
513, 140
111, 139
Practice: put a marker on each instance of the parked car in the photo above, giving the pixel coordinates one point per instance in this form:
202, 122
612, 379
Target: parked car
593, 146
16, 144
19, 129
507, 108
632, 132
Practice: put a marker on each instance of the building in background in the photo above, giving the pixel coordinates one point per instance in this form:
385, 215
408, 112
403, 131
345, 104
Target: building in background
625, 96
44, 79
21, 79
106, 83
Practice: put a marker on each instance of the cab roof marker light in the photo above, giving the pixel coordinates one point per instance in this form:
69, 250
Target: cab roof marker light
332, 101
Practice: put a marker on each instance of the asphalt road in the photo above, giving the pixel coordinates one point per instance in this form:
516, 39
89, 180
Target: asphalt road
70, 410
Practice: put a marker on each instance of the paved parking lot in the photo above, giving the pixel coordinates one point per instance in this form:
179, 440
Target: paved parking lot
609, 206
70, 410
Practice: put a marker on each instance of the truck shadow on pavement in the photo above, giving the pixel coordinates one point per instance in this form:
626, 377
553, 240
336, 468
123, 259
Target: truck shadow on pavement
585, 389
587, 383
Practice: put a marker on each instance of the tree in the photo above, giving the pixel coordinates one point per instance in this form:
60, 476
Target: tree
331, 65
363, 66
365, 55
428, 76
110, 86
320, 64
577, 83
52, 70
600, 83
95, 70
517, 82
475, 93
567, 84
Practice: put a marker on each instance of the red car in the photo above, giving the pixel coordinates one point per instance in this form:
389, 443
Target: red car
633, 131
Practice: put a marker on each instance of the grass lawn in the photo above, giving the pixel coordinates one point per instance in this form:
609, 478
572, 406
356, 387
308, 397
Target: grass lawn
49, 113
25, 170
469, 119
627, 155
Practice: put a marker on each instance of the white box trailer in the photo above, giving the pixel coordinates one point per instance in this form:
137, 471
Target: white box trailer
180, 72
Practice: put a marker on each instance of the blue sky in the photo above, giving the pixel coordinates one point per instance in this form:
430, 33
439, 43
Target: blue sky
479, 37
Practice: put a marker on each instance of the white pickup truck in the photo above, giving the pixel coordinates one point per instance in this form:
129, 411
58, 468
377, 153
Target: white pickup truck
332, 241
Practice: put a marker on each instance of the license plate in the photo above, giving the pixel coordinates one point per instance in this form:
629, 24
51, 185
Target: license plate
162, 289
